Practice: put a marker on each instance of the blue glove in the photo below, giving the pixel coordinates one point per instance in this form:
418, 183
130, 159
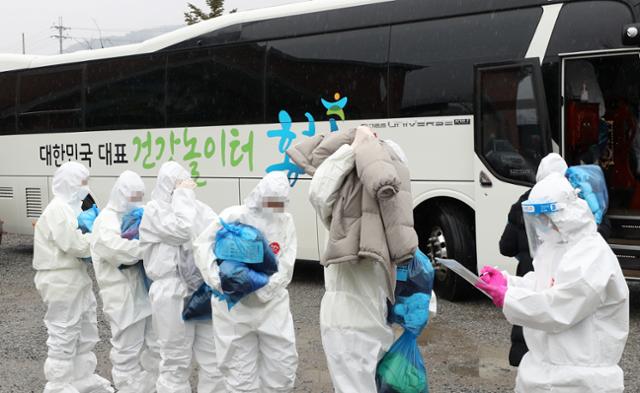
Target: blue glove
87, 218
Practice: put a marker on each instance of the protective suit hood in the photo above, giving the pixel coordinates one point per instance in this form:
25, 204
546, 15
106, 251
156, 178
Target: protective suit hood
128, 185
274, 185
397, 150
170, 173
552, 163
67, 183
575, 219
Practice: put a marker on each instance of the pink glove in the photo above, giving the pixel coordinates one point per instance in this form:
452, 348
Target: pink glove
493, 276
493, 282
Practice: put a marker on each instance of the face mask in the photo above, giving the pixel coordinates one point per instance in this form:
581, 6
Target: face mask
82, 192
135, 201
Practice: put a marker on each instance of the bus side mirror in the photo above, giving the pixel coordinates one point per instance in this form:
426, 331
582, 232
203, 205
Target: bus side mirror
631, 34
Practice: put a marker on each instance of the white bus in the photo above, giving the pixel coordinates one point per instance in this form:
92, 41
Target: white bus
476, 93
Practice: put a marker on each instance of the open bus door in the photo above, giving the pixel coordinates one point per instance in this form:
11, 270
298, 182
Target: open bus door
511, 137
600, 112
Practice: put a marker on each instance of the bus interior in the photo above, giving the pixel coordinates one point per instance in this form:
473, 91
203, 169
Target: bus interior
601, 112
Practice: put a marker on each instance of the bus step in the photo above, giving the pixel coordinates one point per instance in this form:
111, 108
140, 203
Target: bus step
625, 227
628, 256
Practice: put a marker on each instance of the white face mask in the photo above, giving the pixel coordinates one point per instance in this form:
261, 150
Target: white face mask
135, 201
83, 192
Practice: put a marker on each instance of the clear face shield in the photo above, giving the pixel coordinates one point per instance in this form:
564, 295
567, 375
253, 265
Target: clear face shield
540, 229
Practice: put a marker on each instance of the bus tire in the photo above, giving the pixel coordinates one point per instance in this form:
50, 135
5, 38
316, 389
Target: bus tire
445, 231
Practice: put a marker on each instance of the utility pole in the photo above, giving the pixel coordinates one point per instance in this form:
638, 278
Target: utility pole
60, 28
23, 50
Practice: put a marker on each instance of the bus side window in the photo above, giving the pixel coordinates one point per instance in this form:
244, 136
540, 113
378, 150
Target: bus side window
7, 103
126, 92
211, 86
50, 100
348, 70
512, 138
431, 62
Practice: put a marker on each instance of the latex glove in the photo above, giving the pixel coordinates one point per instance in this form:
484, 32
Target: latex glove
493, 276
188, 184
493, 282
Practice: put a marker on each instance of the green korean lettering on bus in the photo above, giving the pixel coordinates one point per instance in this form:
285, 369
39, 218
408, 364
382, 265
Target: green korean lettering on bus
233, 147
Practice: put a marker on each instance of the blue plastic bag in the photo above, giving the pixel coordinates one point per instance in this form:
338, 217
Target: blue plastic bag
243, 243
238, 280
87, 218
245, 260
239, 242
130, 228
85, 224
414, 282
412, 313
199, 305
415, 277
402, 369
593, 188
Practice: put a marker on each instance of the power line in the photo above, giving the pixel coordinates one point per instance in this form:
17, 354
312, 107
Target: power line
61, 29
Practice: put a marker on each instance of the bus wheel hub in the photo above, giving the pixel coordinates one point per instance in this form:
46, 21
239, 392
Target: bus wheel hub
437, 248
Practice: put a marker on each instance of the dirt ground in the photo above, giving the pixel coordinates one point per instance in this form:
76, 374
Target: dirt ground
465, 346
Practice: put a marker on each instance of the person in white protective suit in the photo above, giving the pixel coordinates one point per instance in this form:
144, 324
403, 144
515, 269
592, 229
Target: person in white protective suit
551, 163
574, 306
353, 313
255, 340
66, 288
168, 224
120, 277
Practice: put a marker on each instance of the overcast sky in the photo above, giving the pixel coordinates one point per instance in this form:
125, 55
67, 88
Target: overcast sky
114, 17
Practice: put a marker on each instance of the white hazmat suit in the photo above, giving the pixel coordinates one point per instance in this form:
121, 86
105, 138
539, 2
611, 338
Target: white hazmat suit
353, 312
66, 288
551, 163
574, 306
123, 292
255, 340
166, 232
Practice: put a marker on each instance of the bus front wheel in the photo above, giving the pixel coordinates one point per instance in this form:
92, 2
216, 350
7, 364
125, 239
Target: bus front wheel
445, 231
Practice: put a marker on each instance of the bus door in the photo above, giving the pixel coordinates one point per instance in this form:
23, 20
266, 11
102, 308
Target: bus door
511, 137
601, 108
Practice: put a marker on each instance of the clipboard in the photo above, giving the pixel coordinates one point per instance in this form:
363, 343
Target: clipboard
462, 271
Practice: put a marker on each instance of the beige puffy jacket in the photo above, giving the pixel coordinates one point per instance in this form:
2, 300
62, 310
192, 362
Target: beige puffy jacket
372, 216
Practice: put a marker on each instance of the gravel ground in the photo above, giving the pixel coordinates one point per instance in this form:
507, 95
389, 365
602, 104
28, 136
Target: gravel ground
465, 347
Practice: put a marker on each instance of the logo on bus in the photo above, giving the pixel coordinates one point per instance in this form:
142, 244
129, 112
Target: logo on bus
418, 123
286, 134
